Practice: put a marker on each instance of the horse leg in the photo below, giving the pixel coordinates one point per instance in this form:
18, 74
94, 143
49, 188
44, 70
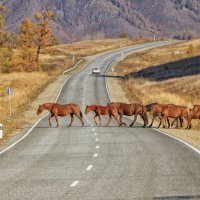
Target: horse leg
120, 124
120, 119
154, 116
80, 117
72, 119
189, 126
175, 120
168, 122
56, 117
181, 122
50, 119
135, 118
161, 119
177, 124
109, 120
99, 120
95, 119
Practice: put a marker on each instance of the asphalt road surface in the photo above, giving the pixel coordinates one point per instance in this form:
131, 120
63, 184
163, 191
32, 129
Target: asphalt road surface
93, 163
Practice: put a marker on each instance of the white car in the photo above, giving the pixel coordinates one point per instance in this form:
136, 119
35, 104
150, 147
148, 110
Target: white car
96, 71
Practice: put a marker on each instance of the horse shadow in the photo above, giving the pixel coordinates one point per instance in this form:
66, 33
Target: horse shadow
163, 72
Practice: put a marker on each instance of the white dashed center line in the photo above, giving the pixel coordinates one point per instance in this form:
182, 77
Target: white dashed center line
74, 184
97, 147
95, 134
89, 167
95, 155
97, 140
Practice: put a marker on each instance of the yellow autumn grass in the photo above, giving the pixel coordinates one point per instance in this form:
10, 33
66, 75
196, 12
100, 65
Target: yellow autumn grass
90, 47
24, 86
182, 91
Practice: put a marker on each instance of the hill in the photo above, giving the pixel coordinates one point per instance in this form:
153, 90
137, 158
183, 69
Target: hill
86, 19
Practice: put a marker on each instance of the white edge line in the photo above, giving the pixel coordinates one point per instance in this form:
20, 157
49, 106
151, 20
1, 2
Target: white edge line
187, 144
75, 183
175, 138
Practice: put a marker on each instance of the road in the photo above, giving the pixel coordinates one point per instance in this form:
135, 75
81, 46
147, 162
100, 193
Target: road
93, 163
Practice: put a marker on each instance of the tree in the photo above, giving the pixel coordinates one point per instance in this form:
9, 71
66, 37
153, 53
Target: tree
43, 31
25, 56
3, 12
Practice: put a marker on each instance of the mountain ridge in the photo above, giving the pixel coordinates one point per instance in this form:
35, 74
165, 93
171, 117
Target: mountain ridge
86, 19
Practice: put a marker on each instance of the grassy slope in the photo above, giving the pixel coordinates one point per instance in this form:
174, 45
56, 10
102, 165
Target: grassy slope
157, 63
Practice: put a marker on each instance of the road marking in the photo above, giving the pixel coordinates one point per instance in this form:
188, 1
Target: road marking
97, 140
89, 167
95, 155
95, 134
74, 184
97, 147
183, 142
93, 129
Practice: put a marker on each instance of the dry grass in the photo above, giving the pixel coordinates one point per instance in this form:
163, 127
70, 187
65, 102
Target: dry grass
91, 47
183, 90
54, 60
25, 88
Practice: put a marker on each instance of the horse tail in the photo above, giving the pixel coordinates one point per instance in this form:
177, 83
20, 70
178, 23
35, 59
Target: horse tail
81, 114
144, 116
189, 117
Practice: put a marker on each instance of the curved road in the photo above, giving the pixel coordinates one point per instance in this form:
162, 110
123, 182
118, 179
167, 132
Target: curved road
94, 163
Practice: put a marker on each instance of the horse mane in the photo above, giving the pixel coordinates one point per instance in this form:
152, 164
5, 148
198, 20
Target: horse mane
49, 105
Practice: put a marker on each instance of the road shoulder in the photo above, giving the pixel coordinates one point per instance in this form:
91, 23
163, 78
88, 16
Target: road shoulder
117, 94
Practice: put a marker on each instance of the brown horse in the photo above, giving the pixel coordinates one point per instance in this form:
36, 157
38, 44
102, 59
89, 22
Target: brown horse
174, 111
102, 110
195, 113
62, 111
130, 110
155, 109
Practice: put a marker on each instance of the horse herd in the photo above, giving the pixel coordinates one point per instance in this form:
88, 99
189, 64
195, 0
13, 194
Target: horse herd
118, 110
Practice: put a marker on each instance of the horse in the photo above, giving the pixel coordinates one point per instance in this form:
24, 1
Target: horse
61, 110
130, 110
175, 111
155, 109
102, 110
195, 112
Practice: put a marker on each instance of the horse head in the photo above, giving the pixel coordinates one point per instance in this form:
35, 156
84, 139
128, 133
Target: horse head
40, 109
87, 110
